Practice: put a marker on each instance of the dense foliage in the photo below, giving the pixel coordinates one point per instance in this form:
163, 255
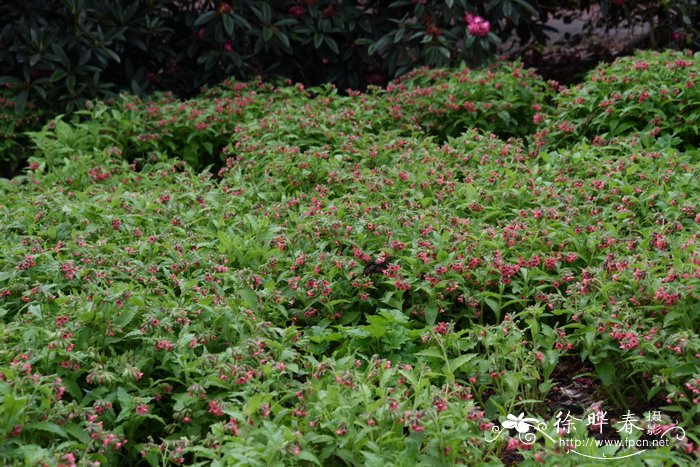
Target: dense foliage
14, 145
371, 279
65, 51
56, 54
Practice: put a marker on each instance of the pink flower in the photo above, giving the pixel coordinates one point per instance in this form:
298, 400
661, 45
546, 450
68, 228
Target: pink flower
69, 270
232, 426
142, 409
216, 408
417, 428
228, 46
514, 444
440, 404
476, 25
27, 263
441, 328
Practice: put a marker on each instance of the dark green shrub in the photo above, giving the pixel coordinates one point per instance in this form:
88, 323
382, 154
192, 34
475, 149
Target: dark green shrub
63, 52
14, 146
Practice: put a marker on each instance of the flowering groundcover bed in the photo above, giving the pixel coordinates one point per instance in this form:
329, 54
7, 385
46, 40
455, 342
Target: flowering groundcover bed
382, 278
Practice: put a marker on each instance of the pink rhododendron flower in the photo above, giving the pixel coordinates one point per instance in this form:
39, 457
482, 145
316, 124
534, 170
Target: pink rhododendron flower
476, 25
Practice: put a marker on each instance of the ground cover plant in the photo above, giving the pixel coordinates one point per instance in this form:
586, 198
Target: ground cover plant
273, 275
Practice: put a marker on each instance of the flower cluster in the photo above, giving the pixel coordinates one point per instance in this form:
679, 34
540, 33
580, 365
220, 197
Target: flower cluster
476, 25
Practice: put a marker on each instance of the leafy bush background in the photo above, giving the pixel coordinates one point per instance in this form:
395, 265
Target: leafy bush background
56, 54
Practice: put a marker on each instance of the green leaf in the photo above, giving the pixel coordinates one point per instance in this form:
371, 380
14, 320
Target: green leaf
282, 38
77, 432
205, 18
394, 316
308, 456
249, 296
228, 24
21, 102
70, 82
494, 39
621, 128
378, 45
286, 22
267, 33
431, 352
469, 42
125, 318
525, 5
685, 371
495, 307
10, 80
431, 313
112, 54
457, 363
49, 427
332, 44
318, 40
266, 12
606, 372
504, 116
507, 9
